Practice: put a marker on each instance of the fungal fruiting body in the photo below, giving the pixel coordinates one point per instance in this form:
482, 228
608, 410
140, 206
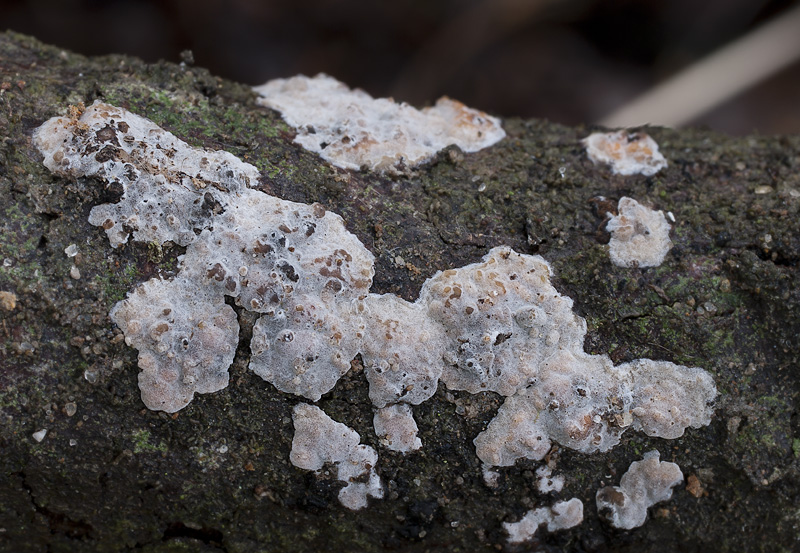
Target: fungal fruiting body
350, 129
186, 340
639, 235
497, 325
646, 483
402, 350
294, 263
560, 516
168, 189
319, 440
628, 153
547, 482
396, 428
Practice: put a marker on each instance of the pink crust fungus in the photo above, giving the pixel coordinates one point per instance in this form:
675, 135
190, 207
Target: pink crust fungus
646, 483
350, 129
627, 153
639, 235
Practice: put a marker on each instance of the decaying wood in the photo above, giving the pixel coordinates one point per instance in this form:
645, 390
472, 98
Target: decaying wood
110, 475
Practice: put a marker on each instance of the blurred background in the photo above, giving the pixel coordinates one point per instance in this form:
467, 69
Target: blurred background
570, 61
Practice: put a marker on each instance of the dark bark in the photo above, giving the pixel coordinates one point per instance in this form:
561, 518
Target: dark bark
114, 476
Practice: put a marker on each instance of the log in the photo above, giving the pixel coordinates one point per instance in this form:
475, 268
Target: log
111, 475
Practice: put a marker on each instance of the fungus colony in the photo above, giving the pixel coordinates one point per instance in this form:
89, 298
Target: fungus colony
628, 153
497, 325
351, 130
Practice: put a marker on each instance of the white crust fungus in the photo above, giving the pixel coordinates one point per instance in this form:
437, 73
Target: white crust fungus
168, 188
512, 434
501, 317
639, 235
646, 483
402, 351
583, 402
560, 516
296, 264
299, 267
497, 325
490, 477
186, 340
546, 482
396, 428
627, 153
350, 129
318, 440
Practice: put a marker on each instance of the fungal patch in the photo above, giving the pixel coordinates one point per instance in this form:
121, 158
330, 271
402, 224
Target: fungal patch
168, 189
396, 428
501, 319
639, 235
402, 350
496, 325
546, 482
560, 516
490, 477
320, 440
351, 130
293, 263
585, 403
186, 339
627, 153
646, 483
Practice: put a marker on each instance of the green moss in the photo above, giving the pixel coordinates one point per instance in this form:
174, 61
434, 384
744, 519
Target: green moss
142, 443
116, 285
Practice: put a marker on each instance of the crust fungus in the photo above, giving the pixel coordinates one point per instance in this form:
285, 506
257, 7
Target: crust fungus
560, 516
168, 189
547, 482
501, 318
397, 429
350, 129
497, 325
319, 440
186, 340
646, 483
402, 351
639, 235
627, 153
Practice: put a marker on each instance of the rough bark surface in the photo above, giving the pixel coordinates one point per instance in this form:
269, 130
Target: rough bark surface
111, 475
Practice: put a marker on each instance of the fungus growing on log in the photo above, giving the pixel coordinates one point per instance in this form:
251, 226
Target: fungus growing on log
351, 129
497, 325
628, 153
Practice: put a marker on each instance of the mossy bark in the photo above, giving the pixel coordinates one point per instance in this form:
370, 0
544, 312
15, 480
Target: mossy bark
111, 475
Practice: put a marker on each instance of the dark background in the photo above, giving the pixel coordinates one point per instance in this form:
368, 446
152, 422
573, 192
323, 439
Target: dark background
570, 61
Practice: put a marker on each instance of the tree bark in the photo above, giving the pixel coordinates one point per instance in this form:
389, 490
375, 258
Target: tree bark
110, 475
